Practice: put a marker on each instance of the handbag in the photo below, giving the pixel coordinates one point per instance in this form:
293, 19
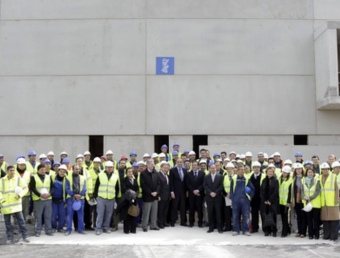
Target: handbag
268, 220
133, 210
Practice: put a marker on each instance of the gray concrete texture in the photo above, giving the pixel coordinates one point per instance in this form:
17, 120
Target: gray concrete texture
242, 68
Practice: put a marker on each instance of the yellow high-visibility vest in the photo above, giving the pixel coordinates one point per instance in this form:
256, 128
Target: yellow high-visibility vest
284, 190
26, 177
107, 188
316, 202
328, 191
81, 182
40, 185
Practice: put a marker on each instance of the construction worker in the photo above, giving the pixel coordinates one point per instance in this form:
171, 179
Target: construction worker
164, 149
127, 163
87, 163
155, 159
49, 170
146, 157
241, 192
141, 167
41, 186
277, 160
59, 199
31, 164
248, 159
105, 190
63, 155
76, 191
12, 189
26, 176
42, 158
329, 203
66, 162
223, 155
3, 164
109, 157
285, 182
299, 157
316, 165
55, 166
260, 158
50, 156
133, 158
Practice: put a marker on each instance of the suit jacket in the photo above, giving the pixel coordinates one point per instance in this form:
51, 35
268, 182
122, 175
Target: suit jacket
176, 185
164, 192
126, 185
149, 183
216, 186
195, 183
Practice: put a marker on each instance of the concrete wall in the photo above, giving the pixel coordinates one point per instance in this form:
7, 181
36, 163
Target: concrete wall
244, 70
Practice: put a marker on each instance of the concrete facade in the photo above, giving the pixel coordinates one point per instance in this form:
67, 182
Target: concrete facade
246, 72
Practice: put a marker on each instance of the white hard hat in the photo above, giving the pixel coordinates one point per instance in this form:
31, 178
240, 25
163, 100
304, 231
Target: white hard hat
92, 201
265, 155
146, 155
220, 160
234, 160
109, 164
192, 153
249, 154
43, 191
239, 161
242, 156
87, 153
288, 161
232, 152
109, 152
237, 155
62, 167
21, 161
50, 153
97, 159
163, 162
335, 164
271, 166
297, 165
226, 160
80, 156
230, 165
287, 169
43, 156
308, 207
276, 154
154, 155
260, 154
63, 153
141, 162
18, 190
203, 161
256, 164
325, 165
161, 155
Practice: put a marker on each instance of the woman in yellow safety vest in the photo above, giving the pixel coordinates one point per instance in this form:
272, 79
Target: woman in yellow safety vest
310, 192
285, 183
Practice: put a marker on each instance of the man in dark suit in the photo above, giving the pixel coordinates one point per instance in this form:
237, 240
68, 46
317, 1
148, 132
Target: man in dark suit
178, 192
164, 194
149, 180
195, 187
213, 185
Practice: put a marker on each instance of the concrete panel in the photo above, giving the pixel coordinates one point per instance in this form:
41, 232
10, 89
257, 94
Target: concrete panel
120, 144
11, 146
245, 104
326, 9
185, 142
73, 105
75, 9
324, 139
237, 46
227, 140
72, 47
287, 152
328, 122
265, 9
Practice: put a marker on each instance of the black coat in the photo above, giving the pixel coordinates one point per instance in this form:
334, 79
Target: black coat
195, 183
149, 182
215, 187
270, 192
124, 205
176, 185
164, 192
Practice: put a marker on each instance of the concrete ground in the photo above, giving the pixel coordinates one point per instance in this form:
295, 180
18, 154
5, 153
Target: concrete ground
174, 242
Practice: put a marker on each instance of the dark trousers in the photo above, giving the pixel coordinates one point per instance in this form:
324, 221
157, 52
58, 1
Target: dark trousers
228, 214
130, 224
214, 213
255, 209
272, 229
313, 219
178, 203
21, 223
284, 212
87, 216
140, 205
301, 218
94, 215
330, 229
195, 204
163, 207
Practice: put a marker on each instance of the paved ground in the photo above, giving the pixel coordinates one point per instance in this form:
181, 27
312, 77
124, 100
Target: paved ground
174, 242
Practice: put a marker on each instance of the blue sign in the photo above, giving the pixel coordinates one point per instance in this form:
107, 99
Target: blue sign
165, 65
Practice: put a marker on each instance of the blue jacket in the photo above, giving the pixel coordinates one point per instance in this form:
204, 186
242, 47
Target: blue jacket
59, 187
240, 190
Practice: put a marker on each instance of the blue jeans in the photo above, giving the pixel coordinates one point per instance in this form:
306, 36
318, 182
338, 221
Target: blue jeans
58, 215
21, 223
241, 207
80, 216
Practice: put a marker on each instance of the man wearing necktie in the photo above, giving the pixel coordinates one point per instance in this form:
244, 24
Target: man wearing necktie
178, 192
164, 194
196, 194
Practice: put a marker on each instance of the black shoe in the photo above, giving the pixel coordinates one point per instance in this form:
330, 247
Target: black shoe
316, 238
145, 230
200, 225
155, 228
126, 232
274, 234
133, 232
210, 230
266, 234
161, 227
191, 225
220, 231
184, 225
172, 224
166, 225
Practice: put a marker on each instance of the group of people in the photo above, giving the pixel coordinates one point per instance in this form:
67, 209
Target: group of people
224, 192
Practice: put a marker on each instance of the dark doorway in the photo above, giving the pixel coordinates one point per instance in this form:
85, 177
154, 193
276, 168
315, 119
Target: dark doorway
159, 141
96, 143
300, 139
198, 140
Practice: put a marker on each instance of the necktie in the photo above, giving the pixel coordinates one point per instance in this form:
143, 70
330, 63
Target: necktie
180, 174
195, 174
131, 181
167, 180
212, 178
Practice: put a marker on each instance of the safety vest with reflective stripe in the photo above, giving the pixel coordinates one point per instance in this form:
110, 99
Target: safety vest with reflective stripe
94, 175
227, 183
234, 185
81, 182
328, 191
4, 166
140, 188
30, 168
26, 177
107, 188
316, 202
7, 194
40, 185
284, 190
